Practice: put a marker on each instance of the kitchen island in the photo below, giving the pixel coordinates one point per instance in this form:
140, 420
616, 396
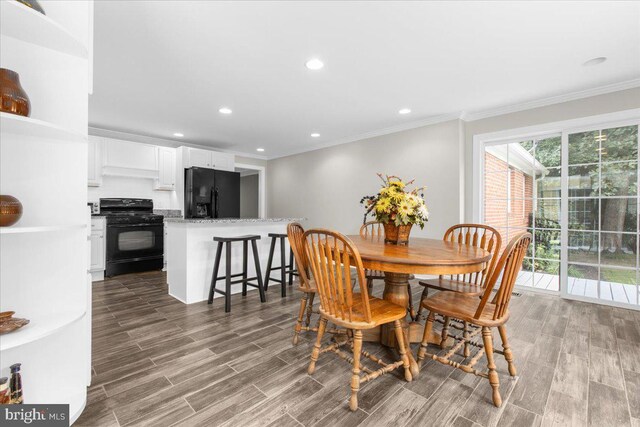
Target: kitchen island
190, 252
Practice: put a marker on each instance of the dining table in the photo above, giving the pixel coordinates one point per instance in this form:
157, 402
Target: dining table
420, 256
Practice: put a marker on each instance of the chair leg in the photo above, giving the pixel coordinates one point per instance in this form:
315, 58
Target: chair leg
261, 287
269, 264
397, 325
291, 266
445, 331
298, 327
316, 347
428, 328
412, 311
216, 266
355, 377
508, 355
283, 270
465, 334
369, 285
310, 309
425, 294
487, 340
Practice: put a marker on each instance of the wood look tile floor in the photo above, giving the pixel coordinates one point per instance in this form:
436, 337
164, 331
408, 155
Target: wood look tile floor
159, 362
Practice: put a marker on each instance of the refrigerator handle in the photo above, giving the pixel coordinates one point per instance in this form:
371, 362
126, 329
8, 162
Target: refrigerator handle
215, 202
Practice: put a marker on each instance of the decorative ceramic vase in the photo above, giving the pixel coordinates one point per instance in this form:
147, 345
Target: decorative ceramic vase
397, 234
33, 4
10, 210
13, 99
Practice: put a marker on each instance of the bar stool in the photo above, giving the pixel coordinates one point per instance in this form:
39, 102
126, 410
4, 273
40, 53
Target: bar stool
228, 276
284, 267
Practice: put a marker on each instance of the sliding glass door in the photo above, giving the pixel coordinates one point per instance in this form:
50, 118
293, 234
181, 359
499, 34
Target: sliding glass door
577, 193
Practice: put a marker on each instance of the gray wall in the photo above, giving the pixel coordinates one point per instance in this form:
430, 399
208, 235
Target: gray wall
326, 185
249, 196
592, 106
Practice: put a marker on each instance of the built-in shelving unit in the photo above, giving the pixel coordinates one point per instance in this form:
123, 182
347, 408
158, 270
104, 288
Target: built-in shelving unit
19, 125
43, 162
26, 24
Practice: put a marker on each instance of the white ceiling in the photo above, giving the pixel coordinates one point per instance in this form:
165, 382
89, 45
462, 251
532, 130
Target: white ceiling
168, 66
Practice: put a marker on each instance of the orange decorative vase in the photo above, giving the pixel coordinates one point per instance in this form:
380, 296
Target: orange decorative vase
397, 234
13, 99
10, 210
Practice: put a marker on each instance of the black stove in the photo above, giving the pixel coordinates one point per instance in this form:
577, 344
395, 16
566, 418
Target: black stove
135, 236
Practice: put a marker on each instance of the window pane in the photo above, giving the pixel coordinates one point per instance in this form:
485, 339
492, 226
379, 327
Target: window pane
583, 181
618, 285
548, 213
521, 157
547, 152
546, 275
619, 179
618, 249
583, 214
495, 212
584, 148
547, 244
496, 185
495, 159
620, 143
525, 277
582, 280
583, 247
548, 183
619, 214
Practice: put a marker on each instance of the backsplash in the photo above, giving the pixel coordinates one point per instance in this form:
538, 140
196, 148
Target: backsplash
116, 186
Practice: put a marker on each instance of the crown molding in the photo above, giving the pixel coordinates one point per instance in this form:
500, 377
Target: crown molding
529, 105
152, 140
380, 132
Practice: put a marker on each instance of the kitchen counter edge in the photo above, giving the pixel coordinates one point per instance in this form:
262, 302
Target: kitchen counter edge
229, 220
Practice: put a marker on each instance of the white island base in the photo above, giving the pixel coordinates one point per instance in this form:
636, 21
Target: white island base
191, 253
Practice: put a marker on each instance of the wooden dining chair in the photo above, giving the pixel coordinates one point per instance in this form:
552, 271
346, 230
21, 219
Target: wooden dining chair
331, 258
375, 230
481, 313
478, 235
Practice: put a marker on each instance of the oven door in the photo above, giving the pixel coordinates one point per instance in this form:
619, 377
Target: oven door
134, 241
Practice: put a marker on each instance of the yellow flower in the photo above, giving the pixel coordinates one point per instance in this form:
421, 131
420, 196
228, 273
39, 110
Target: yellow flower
405, 208
383, 205
398, 184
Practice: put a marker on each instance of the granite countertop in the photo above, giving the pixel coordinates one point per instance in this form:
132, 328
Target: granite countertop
230, 220
98, 216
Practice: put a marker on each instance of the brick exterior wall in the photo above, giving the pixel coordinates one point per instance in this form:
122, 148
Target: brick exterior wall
497, 197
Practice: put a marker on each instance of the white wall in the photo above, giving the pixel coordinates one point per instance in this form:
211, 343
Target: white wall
326, 185
116, 186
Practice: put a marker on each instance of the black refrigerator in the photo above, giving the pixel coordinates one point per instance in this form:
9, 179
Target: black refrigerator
211, 193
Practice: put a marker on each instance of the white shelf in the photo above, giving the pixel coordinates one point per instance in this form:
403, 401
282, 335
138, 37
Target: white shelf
38, 328
23, 23
20, 125
40, 229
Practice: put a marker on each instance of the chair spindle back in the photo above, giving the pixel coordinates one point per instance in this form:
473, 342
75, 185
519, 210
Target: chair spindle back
372, 229
331, 256
509, 266
295, 233
481, 236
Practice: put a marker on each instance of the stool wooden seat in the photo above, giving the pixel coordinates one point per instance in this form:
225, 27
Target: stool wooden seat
246, 281
283, 267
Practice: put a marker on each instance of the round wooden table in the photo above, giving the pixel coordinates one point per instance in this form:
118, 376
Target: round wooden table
420, 256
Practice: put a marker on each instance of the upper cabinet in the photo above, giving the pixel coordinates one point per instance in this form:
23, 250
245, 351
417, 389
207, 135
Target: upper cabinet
166, 169
133, 159
94, 177
208, 159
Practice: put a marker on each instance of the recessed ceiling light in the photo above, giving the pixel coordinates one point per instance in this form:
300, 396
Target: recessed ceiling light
314, 64
404, 111
260, 149
178, 134
315, 135
595, 61
225, 110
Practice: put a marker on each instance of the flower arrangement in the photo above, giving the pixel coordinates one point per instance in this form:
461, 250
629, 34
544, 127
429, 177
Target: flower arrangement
394, 204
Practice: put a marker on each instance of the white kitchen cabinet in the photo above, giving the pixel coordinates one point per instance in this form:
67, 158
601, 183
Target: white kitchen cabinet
166, 169
133, 159
94, 176
98, 248
209, 159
